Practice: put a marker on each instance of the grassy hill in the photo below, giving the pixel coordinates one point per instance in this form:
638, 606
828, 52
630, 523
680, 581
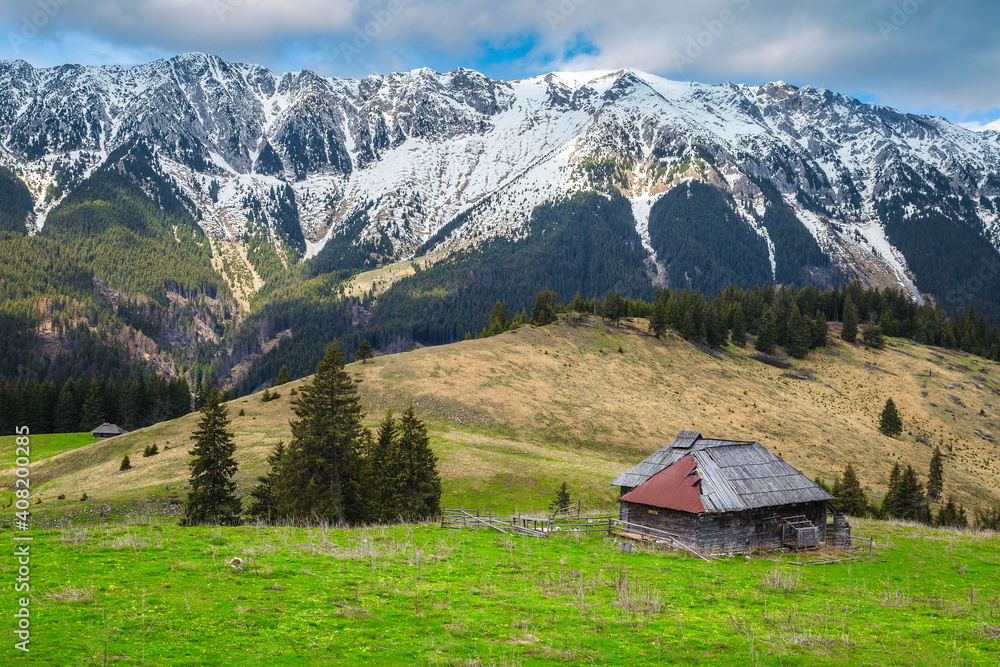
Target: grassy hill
513, 416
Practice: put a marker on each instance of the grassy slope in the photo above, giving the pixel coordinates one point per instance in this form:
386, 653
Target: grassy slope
420, 595
47, 446
513, 416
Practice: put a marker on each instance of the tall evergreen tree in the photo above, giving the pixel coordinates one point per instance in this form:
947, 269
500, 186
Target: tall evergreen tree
67, 419
767, 336
799, 332
910, 499
320, 474
819, 330
952, 516
283, 376
739, 333
849, 332
212, 498
423, 484
365, 351
546, 307
889, 422
92, 414
935, 478
386, 475
890, 502
499, 319
873, 338
613, 308
262, 494
850, 496
715, 327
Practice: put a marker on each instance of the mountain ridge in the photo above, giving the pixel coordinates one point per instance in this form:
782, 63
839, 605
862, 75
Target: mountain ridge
260, 155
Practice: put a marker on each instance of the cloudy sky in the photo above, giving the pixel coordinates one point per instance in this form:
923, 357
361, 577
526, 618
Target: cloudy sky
928, 56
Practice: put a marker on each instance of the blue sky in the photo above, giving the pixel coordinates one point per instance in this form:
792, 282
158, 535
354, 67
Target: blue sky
926, 56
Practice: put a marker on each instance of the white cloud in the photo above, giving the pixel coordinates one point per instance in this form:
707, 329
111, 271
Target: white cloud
940, 56
977, 126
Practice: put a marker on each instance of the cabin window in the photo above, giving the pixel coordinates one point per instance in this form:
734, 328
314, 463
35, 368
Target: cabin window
654, 511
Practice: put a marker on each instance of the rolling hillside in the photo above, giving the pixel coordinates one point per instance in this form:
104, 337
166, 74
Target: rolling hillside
514, 415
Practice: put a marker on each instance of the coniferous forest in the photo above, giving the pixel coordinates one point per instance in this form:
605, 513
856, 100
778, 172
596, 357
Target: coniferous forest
121, 271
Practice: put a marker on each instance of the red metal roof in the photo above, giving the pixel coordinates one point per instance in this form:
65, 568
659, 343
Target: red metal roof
676, 487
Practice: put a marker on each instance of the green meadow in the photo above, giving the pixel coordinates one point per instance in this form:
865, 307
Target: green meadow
153, 593
47, 446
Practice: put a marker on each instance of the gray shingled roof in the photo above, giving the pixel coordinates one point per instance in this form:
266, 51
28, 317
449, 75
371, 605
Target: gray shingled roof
735, 475
109, 429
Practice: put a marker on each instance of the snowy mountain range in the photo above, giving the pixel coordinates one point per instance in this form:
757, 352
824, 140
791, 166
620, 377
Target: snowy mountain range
422, 161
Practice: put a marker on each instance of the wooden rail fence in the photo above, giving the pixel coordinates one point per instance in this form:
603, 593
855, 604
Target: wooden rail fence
544, 527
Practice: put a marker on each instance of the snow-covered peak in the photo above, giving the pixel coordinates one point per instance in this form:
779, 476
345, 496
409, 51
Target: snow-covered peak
413, 150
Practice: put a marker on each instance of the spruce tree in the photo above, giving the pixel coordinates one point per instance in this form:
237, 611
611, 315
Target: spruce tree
889, 422
67, 419
849, 332
799, 332
952, 516
212, 498
545, 308
92, 414
739, 334
674, 313
910, 499
873, 338
715, 327
499, 319
767, 335
423, 484
126, 464
819, 330
320, 473
365, 352
890, 503
562, 499
386, 476
935, 478
283, 376
613, 308
850, 496
262, 494
658, 316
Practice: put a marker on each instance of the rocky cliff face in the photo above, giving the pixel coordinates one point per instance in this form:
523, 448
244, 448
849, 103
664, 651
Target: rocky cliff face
440, 161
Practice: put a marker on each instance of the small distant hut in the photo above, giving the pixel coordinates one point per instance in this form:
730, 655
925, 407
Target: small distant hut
107, 430
725, 495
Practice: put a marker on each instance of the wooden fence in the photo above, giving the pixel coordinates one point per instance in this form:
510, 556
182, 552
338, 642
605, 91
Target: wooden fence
544, 527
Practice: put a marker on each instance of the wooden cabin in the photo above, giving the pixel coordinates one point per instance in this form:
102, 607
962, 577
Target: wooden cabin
725, 495
107, 430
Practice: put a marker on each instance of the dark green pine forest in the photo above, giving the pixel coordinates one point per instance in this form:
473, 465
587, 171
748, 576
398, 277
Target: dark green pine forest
119, 286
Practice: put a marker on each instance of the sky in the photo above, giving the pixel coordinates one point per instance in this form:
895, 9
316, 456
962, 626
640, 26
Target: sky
939, 57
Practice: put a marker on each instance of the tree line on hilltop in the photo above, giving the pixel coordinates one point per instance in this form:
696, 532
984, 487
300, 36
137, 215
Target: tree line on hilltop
785, 316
